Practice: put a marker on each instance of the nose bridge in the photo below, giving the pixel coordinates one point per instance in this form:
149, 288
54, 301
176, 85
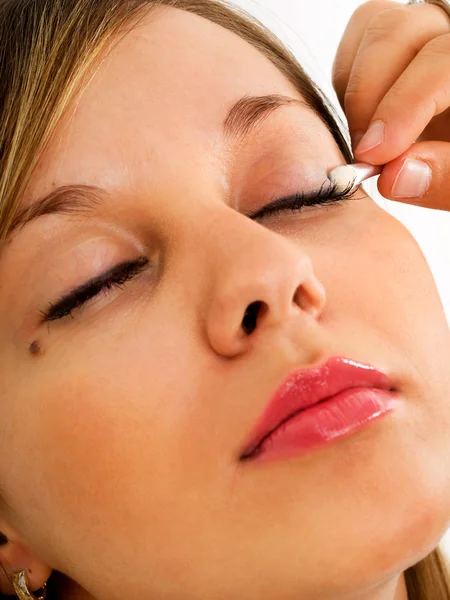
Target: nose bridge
251, 256
258, 278
232, 236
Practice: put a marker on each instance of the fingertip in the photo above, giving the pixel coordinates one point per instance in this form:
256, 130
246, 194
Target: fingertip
378, 155
407, 178
412, 181
379, 146
373, 138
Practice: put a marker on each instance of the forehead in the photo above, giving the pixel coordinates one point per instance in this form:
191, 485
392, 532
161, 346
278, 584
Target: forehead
156, 102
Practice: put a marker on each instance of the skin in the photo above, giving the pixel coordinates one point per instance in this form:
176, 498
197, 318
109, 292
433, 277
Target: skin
412, 43
120, 432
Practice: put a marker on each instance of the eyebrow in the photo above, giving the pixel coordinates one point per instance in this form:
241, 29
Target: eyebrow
249, 113
69, 199
245, 116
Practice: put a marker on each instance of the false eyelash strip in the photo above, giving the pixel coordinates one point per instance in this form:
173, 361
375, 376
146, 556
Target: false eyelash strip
328, 193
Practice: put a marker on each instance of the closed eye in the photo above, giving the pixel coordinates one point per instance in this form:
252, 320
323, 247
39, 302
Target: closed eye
115, 277
329, 193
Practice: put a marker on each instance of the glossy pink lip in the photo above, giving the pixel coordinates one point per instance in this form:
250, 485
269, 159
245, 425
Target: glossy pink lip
307, 387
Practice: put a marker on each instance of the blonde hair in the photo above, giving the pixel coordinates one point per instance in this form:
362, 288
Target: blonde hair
48, 49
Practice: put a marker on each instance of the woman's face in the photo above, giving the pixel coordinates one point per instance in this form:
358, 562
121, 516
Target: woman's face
122, 421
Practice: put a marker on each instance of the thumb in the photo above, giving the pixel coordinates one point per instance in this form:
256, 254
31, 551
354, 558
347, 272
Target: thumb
420, 176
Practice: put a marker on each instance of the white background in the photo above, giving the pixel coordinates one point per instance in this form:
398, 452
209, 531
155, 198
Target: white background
312, 29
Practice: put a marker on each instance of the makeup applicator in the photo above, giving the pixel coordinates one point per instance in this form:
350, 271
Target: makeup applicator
352, 175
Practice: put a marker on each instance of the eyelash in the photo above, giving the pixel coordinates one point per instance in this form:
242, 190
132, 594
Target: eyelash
128, 270
328, 194
115, 277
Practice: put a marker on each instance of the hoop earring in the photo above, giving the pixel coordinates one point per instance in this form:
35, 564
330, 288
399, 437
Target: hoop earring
21, 588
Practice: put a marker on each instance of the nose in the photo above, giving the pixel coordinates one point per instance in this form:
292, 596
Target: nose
261, 280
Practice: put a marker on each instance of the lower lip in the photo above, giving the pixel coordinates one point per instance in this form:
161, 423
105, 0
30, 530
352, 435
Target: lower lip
335, 418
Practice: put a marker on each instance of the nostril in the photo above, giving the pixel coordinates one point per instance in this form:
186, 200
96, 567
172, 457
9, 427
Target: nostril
251, 316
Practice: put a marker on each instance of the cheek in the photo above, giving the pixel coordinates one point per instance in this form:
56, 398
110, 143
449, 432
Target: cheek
373, 269
115, 429
400, 288
85, 445
382, 299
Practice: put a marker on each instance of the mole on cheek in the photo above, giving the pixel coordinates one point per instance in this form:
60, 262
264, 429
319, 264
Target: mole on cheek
35, 348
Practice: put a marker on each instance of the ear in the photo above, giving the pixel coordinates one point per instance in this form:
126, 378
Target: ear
15, 556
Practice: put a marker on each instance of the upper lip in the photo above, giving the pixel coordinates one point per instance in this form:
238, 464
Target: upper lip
305, 387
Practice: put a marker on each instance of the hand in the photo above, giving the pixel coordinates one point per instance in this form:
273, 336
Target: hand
392, 72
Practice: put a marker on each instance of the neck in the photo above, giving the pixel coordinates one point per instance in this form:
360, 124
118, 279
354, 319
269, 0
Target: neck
394, 589
67, 589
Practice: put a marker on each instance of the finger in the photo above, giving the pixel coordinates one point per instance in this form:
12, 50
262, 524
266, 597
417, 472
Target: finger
420, 93
350, 42
392, 40
420, 176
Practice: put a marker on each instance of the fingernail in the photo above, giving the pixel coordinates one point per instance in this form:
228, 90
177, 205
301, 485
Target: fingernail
412, 180
356, 138
373, 137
